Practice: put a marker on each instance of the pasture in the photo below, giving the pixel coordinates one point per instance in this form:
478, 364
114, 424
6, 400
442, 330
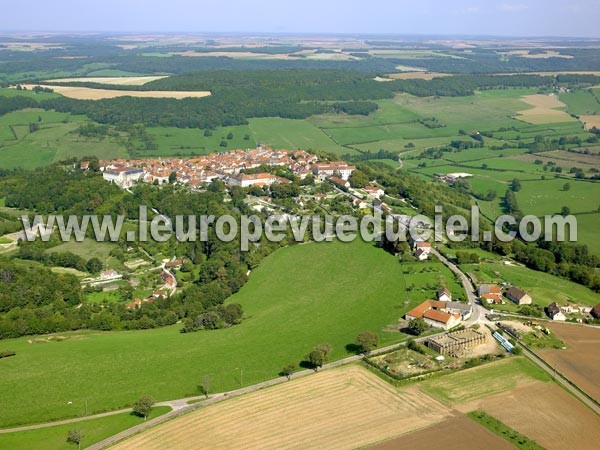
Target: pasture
94, 430
542, 287
55, 139
463, 387
540, 197
343, 408
297, 298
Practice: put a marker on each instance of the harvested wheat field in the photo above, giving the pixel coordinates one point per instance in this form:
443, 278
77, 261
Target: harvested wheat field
343, 408
418, 75
545, 413
543, 110
580, 362
120, 81
467, 435
84, 93
590, 121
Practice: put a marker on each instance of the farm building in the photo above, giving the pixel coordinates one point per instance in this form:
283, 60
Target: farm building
444, 295
595, 312
491, 293
455, 343
554, 312
435, 314
518, 296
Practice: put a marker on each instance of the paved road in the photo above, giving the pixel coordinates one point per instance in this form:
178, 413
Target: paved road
478, 312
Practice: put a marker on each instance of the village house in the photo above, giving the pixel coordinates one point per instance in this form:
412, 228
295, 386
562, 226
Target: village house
422, 250
518, 296
554, 312
374, 192
329, 169
433, 312
490, 293
110, 274
444, 295
340, 182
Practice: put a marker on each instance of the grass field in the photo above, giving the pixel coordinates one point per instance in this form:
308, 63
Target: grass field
542, 287
192, 141
342, 408
291, 134
94, 430
299, 297
470, 384
581, 101
55, 140
549, 196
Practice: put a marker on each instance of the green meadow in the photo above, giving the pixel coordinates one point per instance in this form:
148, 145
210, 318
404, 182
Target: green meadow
482, 381
542, 287
93, 430
297, 298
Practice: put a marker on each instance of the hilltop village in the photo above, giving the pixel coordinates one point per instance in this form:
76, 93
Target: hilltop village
226, 166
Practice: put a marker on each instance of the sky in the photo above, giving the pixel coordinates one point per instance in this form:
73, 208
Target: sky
576, 18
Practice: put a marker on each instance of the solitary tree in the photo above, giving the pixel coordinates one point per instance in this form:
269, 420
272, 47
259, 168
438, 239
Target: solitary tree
205, 386
289, 370
143, 407
319, 356
565, 211
417, 326
567, 186
515, 185
74, 437
367, 341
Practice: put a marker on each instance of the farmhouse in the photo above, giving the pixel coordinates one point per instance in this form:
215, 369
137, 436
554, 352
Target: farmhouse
518, 296
444, 295
422, 250
124, 177
434, 313
455, 343
325, 170
373, 191
554, 312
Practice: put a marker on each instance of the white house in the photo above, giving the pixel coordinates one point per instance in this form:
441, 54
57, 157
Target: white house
328, 169
554, 312
444, 295
123, 177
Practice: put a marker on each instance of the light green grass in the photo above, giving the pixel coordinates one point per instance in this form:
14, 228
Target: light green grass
482, 381
542, 287
292, 134
191, 141
581, 101
93, 430
87, 249
587, 231
548, 196
298, 297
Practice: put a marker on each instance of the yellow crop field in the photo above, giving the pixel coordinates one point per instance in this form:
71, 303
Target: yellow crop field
120, 81
543, 109
338, 409
85, 93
